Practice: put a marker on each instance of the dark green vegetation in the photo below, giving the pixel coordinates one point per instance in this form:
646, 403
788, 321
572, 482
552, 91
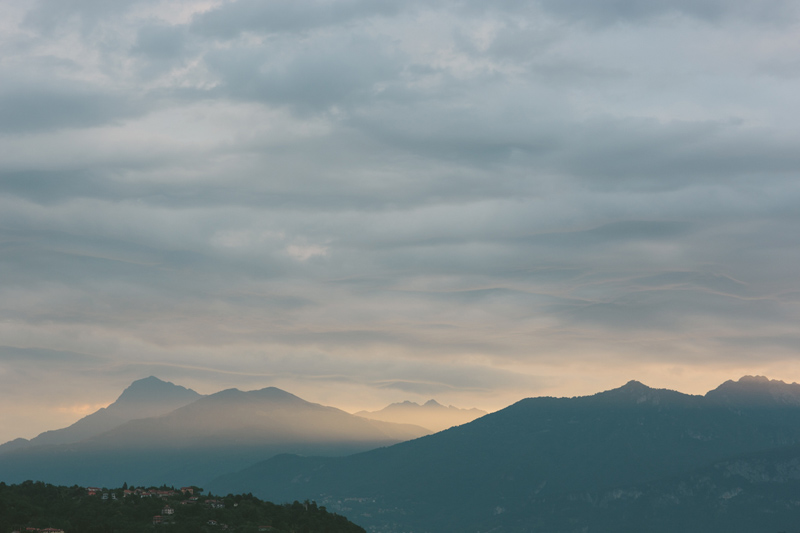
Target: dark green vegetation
72, 509
634, 459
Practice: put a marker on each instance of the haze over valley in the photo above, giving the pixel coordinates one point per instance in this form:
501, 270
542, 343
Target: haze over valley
191, 437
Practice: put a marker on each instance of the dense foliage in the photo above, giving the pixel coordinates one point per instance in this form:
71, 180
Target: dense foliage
75, 510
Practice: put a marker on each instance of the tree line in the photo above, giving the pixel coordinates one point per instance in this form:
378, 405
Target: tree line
73, 510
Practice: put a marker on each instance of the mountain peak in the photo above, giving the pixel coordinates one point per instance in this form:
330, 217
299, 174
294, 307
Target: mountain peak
635, 385
631, 387
271, 394
757, 379
151, 389
431, 414
756, 391
143, 398
639, 393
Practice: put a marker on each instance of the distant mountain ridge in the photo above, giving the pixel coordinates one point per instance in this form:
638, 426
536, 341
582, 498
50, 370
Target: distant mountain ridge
262, 417
634, 458
756, 391
144, 398
548, 464
431, 414
196, 441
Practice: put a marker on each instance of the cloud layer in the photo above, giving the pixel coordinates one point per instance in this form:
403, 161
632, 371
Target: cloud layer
366, 202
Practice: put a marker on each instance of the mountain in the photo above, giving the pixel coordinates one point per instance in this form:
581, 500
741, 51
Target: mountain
266, 417
215, 434
431, 415
143, 398
543, 464
760, 391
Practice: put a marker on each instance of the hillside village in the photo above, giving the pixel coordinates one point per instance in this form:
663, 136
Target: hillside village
42, 508
185, 496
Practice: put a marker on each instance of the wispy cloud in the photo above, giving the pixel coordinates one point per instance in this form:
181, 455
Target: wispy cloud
378, 201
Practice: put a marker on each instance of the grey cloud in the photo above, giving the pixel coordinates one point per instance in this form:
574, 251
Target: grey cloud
47, 15
411, 194
278, 16
607, 12
432, 380
356, 339
415, 387
160, 42
646, 154
704, 281
317, 76
419, 376
114, 266
39, 356
637, 154
675, 310
55, 186
628, 230
43, 106
760, 347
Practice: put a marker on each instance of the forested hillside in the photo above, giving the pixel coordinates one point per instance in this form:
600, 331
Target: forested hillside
131, 510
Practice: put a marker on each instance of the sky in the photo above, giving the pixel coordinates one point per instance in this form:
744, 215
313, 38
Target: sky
364, 201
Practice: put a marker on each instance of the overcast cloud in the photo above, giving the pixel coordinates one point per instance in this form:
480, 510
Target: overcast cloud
370, 201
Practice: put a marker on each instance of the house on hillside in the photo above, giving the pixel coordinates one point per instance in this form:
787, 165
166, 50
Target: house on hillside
190, 490
215, 504
167, 510
157, 519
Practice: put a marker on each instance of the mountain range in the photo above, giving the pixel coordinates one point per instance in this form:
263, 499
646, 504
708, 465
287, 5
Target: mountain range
191, 438
431, 415
629, 459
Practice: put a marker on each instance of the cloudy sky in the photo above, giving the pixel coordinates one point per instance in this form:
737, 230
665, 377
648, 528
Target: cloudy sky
366, 201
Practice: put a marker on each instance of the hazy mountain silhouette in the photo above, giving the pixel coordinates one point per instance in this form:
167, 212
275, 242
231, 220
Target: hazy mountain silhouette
431, 415
214, 434
268, 416
143, 398
542, 464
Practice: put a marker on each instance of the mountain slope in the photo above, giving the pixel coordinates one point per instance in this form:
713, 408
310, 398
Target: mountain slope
143, 398
215, 434
264, 417
756, 391
431, 415
755, 492
539, 449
